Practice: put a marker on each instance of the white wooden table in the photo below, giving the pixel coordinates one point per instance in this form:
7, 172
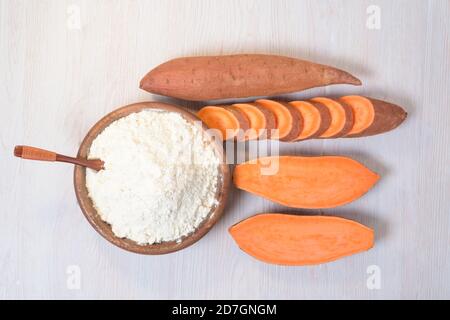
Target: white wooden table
64, 64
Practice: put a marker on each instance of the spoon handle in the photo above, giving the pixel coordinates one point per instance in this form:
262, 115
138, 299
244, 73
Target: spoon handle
32, 153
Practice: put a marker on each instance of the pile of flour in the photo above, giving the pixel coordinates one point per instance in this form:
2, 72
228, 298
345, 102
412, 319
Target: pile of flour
160, 177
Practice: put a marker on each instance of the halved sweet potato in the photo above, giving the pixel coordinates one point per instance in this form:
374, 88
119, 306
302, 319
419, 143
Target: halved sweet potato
289, 121
261, 120
227, 121
341, 117
305, 182
372, 116
294, 240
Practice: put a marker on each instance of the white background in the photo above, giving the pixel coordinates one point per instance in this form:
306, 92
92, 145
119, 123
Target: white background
57, 80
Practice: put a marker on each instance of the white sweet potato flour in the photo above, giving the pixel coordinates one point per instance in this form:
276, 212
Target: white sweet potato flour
160, 177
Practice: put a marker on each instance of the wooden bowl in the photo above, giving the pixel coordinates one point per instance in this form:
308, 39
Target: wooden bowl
104, 228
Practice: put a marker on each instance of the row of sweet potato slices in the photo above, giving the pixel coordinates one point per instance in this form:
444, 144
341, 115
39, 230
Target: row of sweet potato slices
348, 116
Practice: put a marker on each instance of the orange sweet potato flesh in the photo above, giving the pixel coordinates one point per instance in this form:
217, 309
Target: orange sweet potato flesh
294, 240
239, 76
228, 122
372, 116
289, 121
305, 182
341, 117
261, 120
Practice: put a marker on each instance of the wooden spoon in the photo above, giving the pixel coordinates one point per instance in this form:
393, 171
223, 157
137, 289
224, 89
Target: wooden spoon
32, 153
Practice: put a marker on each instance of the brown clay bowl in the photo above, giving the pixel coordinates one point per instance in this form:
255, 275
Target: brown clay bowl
104, 228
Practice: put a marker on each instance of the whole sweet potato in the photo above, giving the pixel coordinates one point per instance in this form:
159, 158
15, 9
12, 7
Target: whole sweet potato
239, 76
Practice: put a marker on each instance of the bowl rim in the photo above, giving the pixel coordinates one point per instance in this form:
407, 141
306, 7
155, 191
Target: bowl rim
104, 229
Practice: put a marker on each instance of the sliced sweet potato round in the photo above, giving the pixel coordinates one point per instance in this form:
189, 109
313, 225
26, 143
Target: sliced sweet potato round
316, 118
227, 121
289, 121
325, 116
373, 116
261, 120
341, 117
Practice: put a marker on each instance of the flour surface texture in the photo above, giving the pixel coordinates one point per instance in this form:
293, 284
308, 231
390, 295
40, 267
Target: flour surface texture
160, 177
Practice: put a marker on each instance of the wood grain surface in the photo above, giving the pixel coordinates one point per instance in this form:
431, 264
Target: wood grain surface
65, 64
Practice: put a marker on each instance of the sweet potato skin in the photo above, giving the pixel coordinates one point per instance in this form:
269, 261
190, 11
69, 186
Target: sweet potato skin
388, 116
294, 240
239, 76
